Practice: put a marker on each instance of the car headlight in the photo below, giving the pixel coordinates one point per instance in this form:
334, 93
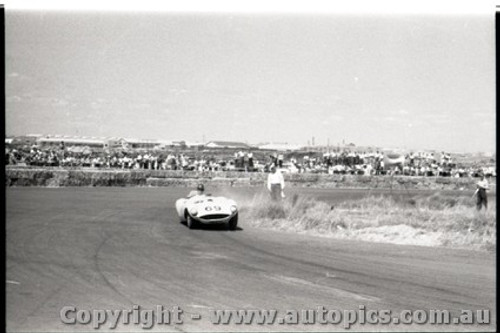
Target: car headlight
193, 211
233, 208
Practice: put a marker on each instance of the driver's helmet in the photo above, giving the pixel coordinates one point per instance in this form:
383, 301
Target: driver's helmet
200, 187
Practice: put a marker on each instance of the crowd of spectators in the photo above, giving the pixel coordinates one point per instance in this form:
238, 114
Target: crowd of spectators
374, 163
338, 162
152, 160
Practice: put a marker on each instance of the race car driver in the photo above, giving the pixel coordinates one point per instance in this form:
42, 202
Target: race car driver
200, 190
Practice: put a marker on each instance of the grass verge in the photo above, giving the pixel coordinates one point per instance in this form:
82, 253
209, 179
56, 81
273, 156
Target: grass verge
434, 220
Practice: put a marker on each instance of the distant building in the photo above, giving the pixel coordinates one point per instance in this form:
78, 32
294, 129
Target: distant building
487, 154
70, 141
181, 144
195, 144
140, 144
25, 140
105, 142
113, 143
227, 144
280, 147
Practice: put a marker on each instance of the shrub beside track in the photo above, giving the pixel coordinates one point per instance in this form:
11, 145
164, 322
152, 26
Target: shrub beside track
430, 220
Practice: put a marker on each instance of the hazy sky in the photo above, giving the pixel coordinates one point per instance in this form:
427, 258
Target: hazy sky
422, 81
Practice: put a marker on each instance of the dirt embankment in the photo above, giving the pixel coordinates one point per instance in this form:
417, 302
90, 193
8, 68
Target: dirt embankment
57, 177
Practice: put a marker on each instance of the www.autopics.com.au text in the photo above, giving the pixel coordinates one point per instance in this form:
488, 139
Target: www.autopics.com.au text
147, 318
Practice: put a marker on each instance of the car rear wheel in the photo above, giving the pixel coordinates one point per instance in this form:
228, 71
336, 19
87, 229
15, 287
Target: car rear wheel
233, 223
190, 222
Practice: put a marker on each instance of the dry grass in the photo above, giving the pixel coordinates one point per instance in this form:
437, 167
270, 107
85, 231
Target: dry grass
435, 220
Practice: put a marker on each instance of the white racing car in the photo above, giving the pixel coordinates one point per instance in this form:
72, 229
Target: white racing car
207, 210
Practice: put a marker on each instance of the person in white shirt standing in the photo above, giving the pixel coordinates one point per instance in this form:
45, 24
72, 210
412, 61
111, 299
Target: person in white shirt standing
481, 197
276, 184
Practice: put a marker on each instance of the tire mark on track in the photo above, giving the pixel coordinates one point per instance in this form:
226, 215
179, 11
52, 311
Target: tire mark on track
99, 270
350, 272
45, 301
108, 282
451, 295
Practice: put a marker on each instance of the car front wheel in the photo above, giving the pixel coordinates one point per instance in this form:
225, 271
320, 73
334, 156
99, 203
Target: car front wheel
190, 222
233, 222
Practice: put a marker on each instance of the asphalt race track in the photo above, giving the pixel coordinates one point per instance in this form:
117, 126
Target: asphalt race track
113, 248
